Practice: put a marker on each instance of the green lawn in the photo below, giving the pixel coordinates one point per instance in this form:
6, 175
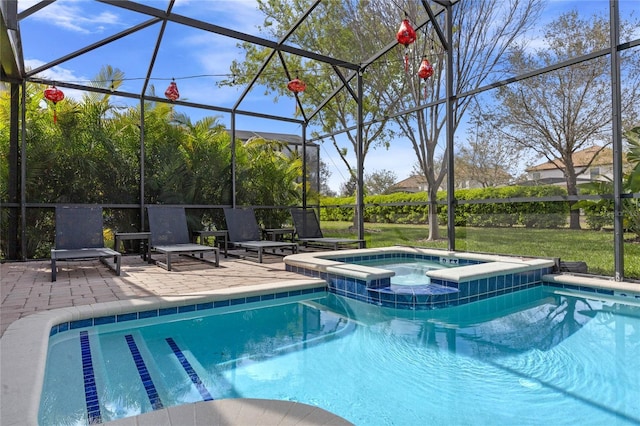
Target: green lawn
594, 247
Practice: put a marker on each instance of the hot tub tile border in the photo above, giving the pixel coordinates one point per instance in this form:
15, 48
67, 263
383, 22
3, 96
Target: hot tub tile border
467, 291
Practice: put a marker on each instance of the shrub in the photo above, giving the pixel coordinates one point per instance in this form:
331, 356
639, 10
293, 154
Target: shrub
412, 208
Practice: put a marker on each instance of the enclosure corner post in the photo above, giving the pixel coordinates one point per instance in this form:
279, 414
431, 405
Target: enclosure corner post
360, 159
233, 159
304, 166
451, 201
616, 127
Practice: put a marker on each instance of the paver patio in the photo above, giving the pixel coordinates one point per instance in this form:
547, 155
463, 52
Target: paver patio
26, 287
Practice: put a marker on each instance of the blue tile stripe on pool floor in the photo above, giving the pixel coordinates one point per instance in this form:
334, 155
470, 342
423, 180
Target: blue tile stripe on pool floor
152, 393
206, 396
90, 390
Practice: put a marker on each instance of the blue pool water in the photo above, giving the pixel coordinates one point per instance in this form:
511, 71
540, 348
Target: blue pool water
531, 357
407, 271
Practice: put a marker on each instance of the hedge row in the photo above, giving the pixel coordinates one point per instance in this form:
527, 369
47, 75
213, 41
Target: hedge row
412, 208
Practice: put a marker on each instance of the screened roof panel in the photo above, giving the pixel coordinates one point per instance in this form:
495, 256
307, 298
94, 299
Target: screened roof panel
130, 54
239, 15
197, 59
196, 42
64, 27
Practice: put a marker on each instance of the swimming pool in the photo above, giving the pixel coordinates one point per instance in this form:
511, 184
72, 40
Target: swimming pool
540, 355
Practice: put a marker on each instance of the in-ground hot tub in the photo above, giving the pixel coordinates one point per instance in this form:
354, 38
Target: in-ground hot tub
463, 277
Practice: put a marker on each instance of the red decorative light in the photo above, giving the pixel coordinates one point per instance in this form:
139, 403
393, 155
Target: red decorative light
172, 91
405, 36
296, 85
55, 95
424, 72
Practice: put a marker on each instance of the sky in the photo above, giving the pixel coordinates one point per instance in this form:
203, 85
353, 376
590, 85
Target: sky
197, 60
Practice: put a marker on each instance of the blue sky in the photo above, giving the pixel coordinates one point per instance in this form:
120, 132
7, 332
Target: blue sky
197, 60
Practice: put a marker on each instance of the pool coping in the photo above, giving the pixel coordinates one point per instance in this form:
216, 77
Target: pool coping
24, 345
237, 411
465, 278
492, 263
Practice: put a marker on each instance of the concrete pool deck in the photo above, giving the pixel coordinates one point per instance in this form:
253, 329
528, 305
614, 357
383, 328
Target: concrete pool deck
28, 295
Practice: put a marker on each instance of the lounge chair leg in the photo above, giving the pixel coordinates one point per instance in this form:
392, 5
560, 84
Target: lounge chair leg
168, 261
116, 263
53, 269
260, 255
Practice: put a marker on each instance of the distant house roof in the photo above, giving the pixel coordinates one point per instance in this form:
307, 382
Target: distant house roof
580, 159
245, 135
413, 183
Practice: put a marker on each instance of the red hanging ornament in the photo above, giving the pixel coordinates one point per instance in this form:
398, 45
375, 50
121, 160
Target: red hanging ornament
424, 72
172, 91
405, 36
55, 95
296, 86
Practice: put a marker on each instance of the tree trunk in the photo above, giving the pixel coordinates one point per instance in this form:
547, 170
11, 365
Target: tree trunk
434, 231
572, 189
574, 217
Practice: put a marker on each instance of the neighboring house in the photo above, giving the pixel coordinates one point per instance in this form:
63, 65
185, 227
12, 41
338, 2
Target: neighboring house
552, 172
413, 183
245, 135
290, 143
418, 183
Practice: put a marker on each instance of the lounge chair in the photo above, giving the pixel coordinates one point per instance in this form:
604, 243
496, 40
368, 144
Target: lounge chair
170, 235
79, 237
244, 232
308, 232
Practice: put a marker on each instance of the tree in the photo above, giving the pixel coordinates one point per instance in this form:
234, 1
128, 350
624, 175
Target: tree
379, 182
630, 183
483, 31
485, 159
268, 178
92, 155
325, 174
348, 188
350, 30
563, 111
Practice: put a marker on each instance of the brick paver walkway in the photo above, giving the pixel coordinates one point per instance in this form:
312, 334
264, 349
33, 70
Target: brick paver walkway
26, 287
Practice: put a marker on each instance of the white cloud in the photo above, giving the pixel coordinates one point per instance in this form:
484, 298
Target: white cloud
240, 15
73, 15
58, 74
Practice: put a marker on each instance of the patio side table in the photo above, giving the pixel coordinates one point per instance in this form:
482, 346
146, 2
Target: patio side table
278, 234
221, 236
144, 237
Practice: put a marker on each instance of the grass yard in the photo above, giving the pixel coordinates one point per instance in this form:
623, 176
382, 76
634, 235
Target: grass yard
594, 247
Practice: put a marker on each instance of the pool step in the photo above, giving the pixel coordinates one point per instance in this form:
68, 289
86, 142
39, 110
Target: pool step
189, 370
395, 295
427, 289
145, 376
90, 389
